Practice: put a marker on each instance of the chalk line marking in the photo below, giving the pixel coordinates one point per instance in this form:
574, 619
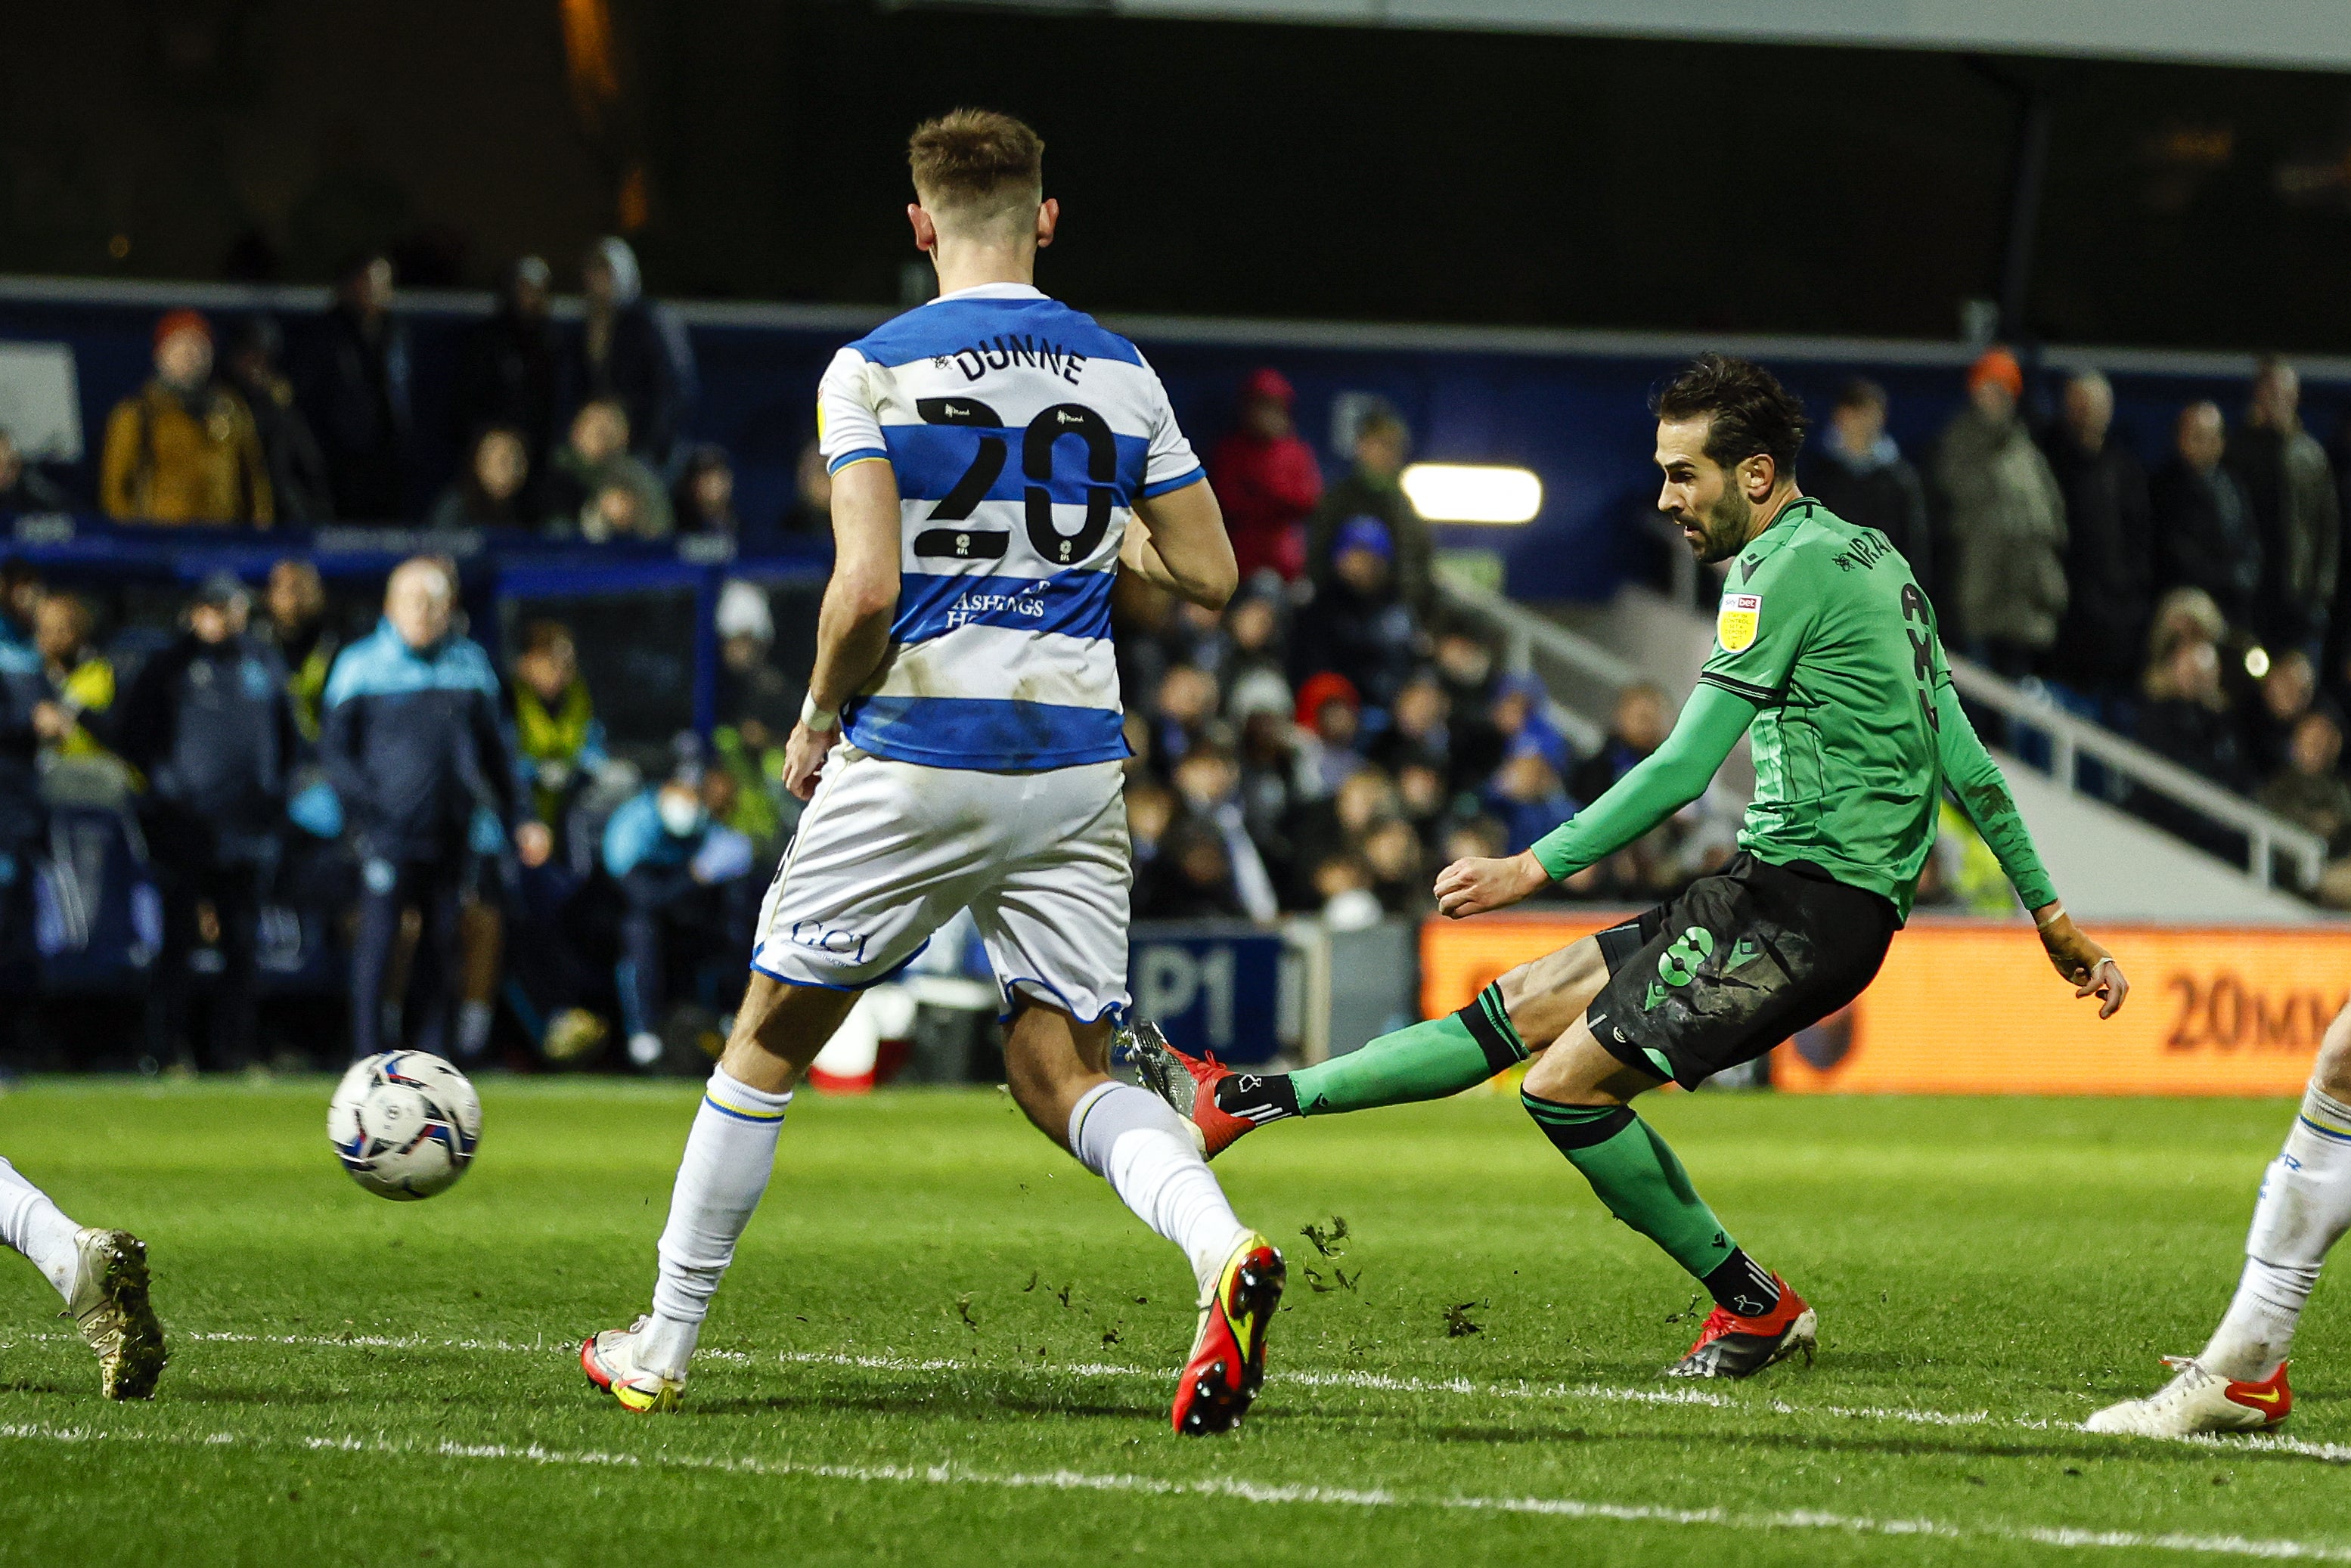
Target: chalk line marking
1380, 1382
1238, 1488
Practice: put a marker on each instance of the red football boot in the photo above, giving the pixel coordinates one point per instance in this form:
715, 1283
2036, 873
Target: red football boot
1228, 1360
1189, 1085
1731, 1347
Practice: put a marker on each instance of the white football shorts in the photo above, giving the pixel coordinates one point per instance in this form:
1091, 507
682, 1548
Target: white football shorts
887, 851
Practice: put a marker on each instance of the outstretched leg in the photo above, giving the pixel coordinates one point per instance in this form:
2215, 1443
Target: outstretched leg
101, 1274
1517, 1015
2239, 1383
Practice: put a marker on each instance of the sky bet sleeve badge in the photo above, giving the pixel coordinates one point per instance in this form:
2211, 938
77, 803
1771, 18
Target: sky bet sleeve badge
1735, 622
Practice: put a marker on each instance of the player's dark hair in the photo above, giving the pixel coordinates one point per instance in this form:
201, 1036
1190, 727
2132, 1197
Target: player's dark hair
976, 155
1750, 410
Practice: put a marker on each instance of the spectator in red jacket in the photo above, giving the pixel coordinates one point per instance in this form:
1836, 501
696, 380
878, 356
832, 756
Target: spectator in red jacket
1266, 480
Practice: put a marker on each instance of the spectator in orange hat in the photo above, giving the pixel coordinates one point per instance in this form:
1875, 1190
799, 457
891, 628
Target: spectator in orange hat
182, 449
1267, 480
2006, 588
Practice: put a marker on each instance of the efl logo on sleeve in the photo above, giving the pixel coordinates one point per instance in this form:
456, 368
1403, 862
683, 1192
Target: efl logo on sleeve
1734, 624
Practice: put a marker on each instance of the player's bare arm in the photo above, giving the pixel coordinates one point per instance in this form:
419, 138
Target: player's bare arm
852, 630
1177, 542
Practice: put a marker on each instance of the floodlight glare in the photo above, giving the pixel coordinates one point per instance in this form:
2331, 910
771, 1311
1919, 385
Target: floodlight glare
1473, 492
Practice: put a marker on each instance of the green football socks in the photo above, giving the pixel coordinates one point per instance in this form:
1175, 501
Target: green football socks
1637, 1175
1426, 1061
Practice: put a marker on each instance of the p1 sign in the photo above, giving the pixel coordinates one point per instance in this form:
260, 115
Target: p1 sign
1210, 987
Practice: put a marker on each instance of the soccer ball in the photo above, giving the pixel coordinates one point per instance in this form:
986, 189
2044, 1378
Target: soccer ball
404, 1123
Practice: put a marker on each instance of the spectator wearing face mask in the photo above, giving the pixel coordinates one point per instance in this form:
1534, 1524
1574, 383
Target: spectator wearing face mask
1266, 479
183, 449
680, 870
490, 493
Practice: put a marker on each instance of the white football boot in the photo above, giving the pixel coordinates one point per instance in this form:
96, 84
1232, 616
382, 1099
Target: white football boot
2198, 1400
110, 1305
610, 1360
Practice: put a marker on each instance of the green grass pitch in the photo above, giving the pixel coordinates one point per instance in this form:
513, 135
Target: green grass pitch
944, 1343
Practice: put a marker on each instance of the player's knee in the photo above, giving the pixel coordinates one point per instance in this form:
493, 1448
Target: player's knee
1576, 1070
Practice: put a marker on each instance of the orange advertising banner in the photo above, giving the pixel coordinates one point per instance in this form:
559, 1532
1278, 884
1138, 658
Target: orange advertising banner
1966, 1006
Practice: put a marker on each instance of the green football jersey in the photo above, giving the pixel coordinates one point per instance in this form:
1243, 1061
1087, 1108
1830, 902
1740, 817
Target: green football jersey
1822, 625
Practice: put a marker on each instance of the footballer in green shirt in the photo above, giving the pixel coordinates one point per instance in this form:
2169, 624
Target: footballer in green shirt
1827, 654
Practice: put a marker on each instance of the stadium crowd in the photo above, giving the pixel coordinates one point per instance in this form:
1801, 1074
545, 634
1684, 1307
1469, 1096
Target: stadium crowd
458, 837
2191, 598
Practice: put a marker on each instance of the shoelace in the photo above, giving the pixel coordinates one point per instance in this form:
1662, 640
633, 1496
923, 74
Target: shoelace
2192, 1374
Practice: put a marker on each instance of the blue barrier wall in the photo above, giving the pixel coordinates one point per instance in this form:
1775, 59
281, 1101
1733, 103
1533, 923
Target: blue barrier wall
1570, 406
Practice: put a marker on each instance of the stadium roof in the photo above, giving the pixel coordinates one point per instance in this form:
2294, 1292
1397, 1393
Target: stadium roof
2301, 35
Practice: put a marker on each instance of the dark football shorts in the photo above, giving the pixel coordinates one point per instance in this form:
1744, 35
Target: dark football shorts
1736, 964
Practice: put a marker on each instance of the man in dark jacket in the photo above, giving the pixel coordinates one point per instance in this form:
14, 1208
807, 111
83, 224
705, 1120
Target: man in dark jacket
412, 746
1358, 626
509, 374
2289, 487
299, 482
357, 396
2205, 534
1372, 489
209, 723
629, 351
2109, 544
1859, 474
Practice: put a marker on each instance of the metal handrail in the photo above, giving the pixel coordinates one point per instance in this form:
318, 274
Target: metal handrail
1524, 633
2071, 738
2268, 836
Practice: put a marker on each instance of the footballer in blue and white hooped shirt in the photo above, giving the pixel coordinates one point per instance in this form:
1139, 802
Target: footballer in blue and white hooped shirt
1021, 433
997, 457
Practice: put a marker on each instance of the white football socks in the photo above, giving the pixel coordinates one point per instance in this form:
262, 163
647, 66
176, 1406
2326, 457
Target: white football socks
2304, 1206
1129, 1137
728, 1157
35, 1227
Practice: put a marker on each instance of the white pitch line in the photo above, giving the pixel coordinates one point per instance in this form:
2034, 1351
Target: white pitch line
2331, 1453
1241, 1489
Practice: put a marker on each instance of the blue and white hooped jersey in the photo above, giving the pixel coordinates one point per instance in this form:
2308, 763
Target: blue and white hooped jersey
1021, 433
